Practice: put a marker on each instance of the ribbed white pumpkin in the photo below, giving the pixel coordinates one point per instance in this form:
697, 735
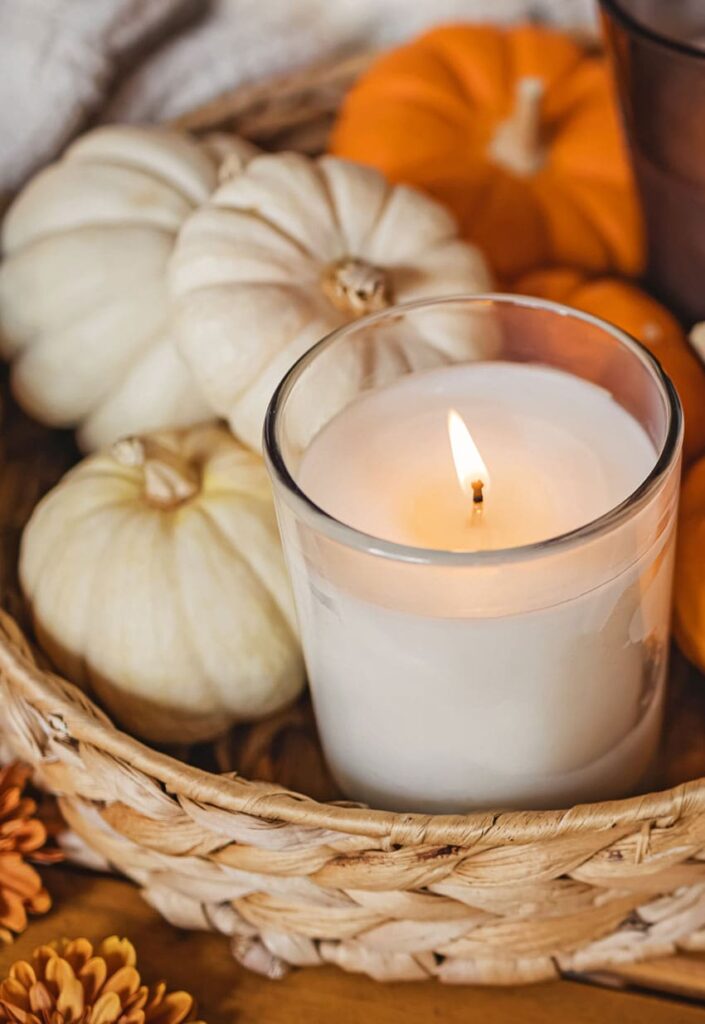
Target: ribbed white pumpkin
291, 249
155, 577
84, 311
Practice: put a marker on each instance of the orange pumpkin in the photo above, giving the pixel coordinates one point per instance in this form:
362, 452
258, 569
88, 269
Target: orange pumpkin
631, 309
515, 131
689, 591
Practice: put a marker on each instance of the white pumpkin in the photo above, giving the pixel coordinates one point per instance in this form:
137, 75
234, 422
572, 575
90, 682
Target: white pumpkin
155, 578
84, 309
292, 248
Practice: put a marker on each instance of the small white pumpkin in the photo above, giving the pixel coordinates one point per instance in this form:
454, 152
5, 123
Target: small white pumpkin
292, 248
84, 308
155, 577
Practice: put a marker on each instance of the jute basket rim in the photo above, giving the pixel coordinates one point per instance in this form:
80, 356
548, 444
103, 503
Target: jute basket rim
264, 800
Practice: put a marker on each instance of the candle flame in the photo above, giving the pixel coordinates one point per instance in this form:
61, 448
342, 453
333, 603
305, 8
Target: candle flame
473, 476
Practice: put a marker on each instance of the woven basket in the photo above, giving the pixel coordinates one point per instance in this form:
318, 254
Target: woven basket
486, 897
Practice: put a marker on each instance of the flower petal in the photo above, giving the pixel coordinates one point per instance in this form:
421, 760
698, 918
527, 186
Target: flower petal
107, 1010
16, 1014
40, 903
13, 991
23, 834
173, 1009
40, 999
124, 982
12, 912
18, 876
23, 974
93, 975
137, 1001
41, 957
117, 953
77, 952
70, 999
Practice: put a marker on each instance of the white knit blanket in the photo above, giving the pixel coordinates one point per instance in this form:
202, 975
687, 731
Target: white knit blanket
65, 62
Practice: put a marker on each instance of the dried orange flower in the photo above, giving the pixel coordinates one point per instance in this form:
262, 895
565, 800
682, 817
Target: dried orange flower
21, 835
67, 983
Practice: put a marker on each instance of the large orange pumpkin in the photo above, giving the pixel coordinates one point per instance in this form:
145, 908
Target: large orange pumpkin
515, 131
628, 307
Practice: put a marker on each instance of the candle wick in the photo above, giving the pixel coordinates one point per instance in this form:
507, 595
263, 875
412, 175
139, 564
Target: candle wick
478, 501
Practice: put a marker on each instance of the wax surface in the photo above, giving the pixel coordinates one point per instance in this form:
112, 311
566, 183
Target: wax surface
560, 453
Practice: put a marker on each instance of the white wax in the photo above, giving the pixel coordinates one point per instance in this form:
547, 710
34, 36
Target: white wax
519, 682
560, 453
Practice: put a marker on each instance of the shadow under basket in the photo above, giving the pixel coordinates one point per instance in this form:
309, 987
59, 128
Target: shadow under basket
488, 897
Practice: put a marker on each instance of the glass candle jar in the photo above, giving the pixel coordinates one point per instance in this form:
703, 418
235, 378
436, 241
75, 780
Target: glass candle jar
658, 51
493, 632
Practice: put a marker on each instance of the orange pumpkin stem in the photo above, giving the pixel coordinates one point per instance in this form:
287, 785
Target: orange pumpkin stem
169, 479
517, 144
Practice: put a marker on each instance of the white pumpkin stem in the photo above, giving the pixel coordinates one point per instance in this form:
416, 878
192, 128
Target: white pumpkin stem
229, 167
517, 145
169, 478
356, 287
697, 339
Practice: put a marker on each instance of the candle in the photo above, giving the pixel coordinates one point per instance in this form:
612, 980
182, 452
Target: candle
460, 653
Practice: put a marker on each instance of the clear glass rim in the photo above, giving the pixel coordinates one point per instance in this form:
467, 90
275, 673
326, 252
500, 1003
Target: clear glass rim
350, 536
616, 9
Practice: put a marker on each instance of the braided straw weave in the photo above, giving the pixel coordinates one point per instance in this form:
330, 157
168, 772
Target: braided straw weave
485, 898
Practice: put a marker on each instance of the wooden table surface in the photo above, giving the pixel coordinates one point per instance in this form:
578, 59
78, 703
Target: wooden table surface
96, 906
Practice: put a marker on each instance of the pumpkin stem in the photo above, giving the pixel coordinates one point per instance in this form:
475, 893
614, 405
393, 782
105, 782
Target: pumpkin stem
230, 167
517, 145
697, 339
356, 287
169, 478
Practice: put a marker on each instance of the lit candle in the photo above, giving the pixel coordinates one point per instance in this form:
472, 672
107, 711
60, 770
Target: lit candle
458, 656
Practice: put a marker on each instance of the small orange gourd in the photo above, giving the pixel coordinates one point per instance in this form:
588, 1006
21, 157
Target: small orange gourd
516, 132
628, 307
